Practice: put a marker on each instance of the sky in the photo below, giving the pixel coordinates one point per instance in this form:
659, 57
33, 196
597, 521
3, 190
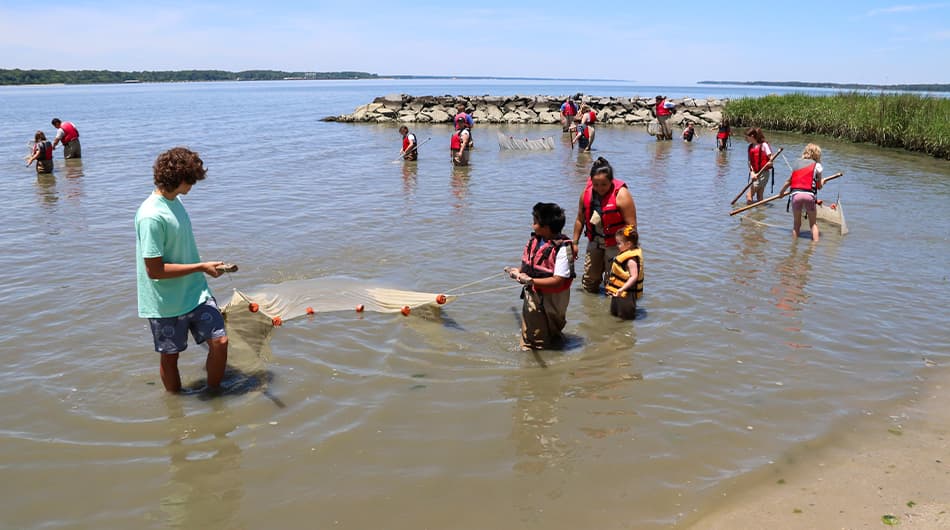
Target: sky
875, 42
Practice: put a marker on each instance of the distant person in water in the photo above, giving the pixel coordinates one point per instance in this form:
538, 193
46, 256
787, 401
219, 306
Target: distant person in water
42, 154
722, 135
804, 184
68, 135
547, 270
760, 163
173, 293
689, 132
568, 111
663, 109
461, 144
625, 277
463, 119
410, 147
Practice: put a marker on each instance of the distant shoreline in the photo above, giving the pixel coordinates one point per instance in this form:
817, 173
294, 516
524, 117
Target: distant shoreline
18, 77
933, 87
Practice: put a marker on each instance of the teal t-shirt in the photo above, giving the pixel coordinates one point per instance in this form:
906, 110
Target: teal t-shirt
163, 229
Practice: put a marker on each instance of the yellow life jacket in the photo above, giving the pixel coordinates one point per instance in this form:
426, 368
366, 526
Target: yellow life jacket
619, 273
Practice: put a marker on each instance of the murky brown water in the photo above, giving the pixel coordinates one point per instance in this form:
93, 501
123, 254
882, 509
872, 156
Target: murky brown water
749, 344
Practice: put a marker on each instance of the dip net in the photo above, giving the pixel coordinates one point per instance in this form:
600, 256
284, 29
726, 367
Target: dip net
252, 315
510, 143
653, 128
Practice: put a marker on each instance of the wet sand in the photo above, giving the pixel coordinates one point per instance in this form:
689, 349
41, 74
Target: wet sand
894, 468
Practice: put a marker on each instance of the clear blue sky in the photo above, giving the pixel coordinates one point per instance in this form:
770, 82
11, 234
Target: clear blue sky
663, 43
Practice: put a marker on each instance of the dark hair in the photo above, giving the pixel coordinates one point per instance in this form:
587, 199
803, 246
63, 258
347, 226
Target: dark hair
40, 136
177, 165
629, 233
756, 133
550, 215
601, 165
55, 122
404, 129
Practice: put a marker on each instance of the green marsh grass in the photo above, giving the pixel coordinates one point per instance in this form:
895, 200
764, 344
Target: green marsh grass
913, 122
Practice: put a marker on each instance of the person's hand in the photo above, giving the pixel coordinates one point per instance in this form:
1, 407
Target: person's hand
574, 248
524, 279
512, 272
211, 268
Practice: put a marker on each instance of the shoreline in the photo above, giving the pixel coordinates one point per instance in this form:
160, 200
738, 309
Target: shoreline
891, 469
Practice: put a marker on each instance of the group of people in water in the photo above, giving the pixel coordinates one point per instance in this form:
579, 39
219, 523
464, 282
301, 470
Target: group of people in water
42, 150
607, 216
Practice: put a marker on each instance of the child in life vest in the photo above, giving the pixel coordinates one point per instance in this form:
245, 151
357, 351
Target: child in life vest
42, 153
689, 132
547, 270
804, 184
625, 283
760, 163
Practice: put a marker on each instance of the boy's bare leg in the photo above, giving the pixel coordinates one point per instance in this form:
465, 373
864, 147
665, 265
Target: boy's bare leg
169, 370
217, 361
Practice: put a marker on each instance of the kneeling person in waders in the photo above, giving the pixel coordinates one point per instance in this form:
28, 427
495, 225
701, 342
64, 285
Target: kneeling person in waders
625, 283
547, 269
410, 147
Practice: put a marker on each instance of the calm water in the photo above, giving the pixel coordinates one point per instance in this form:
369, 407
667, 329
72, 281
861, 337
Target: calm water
749, 344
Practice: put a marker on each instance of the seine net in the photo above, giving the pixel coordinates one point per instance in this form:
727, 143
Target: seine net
252, 315
524, 144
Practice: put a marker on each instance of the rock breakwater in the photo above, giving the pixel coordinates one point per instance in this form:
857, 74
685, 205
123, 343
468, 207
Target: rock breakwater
613, 110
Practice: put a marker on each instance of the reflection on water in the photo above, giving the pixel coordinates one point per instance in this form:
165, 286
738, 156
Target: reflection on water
460, 178
410, 176
46, 189
792, 274
205, 486
73, 168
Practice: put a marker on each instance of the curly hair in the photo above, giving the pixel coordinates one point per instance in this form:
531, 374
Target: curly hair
177, 165
813, 152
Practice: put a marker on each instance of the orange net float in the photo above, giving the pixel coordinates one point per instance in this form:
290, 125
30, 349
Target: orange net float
253, 307
406, 310
440, 299
277, 321
359, 308
309, 310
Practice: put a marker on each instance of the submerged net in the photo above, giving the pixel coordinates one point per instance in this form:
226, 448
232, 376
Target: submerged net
518, 144
833, 213
252, 315
653, 128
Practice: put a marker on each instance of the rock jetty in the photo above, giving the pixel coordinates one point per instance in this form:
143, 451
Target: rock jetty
636, 110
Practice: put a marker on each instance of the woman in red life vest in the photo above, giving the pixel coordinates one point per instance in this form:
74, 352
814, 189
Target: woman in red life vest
804, 183
410, 148
588, 119
605, 207
760, 153
547, 270
722, 136
461, 144
42, 153
568, 111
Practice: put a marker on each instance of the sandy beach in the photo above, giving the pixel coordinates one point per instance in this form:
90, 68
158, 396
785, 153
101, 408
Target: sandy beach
892, 469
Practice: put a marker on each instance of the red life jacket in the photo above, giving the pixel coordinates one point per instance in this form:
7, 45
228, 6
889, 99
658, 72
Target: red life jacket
457, 139
570, 108
610, 214
406, 142
70, 132
661, 110
591, 117
757, 156
803, 179
46, 151
538, 259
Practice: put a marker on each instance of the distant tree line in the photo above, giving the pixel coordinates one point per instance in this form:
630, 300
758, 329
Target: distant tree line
933, 87
84, 77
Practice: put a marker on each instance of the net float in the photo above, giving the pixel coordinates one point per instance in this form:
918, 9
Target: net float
253, 307
309, 310
406, 310
359, 308
440, 299
277, 321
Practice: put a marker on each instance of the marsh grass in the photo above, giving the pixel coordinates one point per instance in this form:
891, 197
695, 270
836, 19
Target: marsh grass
913, 122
